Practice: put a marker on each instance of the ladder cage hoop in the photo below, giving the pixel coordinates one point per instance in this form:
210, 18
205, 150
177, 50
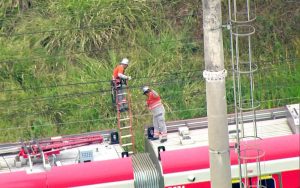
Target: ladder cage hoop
249, 137
250, 108
244, 30
242, 11
251, 154
245, 68
246, 144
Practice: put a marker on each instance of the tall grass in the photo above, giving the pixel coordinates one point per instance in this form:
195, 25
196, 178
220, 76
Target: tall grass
72, 46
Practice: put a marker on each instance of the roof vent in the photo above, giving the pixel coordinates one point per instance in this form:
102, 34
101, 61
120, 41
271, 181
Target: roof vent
293, 117
86, 156
184, 136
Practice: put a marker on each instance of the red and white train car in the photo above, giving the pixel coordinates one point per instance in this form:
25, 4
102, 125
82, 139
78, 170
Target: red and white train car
187, 164
177, 163
189, 168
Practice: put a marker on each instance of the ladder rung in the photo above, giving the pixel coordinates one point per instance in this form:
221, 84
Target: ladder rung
126, 136
129, 144
122, 94
127, 127
123, 102
124, 119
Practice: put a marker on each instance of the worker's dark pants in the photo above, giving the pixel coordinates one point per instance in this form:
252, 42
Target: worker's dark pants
118, 95
123, 105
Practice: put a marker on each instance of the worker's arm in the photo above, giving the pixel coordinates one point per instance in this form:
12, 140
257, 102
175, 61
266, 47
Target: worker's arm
120, 73
123, 76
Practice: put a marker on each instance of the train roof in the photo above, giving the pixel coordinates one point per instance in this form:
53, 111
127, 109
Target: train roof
274, 130
66, 169
101, 151
199, 137
270, 123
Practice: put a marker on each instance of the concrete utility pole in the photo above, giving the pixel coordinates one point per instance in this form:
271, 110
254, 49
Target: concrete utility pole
216, 95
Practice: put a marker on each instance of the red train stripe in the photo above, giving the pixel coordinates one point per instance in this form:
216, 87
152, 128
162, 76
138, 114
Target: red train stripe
90, 173
23, 180
72, 175
198, 157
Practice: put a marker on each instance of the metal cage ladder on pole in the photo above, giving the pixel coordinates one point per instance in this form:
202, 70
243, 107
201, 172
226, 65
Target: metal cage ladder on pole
241, 14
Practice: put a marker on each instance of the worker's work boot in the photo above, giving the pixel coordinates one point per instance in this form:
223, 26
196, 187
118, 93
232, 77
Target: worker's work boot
163, 140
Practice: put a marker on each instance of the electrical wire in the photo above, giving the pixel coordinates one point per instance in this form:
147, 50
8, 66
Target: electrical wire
161, 83
265, 86
134, 116
91, 92
139, 78
90, 120
167, 99
23, 113
97, 81
56, 86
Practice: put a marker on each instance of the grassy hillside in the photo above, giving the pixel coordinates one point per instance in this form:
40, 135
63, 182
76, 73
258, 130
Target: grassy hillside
57, 57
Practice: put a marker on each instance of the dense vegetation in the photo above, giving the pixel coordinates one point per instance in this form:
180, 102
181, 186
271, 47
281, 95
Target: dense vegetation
57, 56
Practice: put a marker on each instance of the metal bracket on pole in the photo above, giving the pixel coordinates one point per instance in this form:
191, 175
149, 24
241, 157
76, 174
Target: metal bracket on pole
215, 76
218, 152
227, 26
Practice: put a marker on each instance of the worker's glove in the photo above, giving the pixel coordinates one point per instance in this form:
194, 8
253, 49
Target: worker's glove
128, 77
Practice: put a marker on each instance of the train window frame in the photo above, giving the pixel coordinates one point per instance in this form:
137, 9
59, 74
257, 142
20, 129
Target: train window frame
262, 180
266, 179
237, 184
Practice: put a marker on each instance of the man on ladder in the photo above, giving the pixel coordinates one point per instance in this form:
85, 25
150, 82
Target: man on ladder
119, 82
121, 102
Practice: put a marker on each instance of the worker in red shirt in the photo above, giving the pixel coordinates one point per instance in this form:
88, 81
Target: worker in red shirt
119, 82
158, 111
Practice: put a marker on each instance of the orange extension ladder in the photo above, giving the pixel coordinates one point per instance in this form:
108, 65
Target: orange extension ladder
124, 117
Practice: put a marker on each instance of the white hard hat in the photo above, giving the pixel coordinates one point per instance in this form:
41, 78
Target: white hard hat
145, 89
125, 61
